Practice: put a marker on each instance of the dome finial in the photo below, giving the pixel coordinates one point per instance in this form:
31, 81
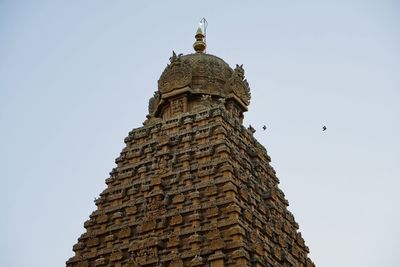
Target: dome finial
200, 44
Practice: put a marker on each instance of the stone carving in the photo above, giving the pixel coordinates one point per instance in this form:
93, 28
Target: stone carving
132, 262
239, 71
177, 106
173, 241
251, 129
153, 102
197, 261
202, 74
100, 262
221, 102
206, 98
196, 189
176, 262
233, 109
125, 232
175, 59
154, 203
176, 75
238, 85
144, 256
116, 255
176, 220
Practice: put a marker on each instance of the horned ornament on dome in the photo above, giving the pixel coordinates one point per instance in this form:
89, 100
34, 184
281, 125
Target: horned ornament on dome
239, 71
175, 59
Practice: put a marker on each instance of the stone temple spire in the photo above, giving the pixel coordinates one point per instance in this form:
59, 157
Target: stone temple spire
199, 46
193, 187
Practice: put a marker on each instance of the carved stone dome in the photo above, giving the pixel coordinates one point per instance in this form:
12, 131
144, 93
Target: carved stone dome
205, 69
202, 79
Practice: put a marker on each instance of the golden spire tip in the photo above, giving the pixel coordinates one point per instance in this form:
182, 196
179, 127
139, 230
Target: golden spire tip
199, 45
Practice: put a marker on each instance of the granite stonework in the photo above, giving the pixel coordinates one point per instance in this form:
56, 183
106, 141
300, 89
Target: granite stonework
193, 187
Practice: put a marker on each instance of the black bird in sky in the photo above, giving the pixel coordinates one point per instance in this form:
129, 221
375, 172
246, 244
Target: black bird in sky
324, 128
264, 127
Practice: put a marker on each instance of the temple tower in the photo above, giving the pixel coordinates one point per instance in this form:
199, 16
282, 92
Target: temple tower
193, 187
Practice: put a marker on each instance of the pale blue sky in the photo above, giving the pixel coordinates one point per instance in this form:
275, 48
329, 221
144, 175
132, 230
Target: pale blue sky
76, 76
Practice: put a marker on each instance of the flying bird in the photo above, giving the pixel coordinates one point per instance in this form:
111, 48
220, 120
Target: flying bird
264, 127
324, 128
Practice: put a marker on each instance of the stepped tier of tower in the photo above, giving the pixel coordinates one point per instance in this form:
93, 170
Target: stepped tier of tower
195, 189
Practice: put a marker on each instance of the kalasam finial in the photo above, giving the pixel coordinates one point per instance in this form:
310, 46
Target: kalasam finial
200, 45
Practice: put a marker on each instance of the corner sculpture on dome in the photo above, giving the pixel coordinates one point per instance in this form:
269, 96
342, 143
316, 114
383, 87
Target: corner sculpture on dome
187, 78
175, 59
239, 71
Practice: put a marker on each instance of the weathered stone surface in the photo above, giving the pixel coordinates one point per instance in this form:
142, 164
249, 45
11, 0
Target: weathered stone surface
193, 187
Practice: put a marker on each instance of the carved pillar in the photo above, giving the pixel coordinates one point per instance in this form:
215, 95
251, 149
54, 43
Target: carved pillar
176, 260
195, 241
217, 259
241, 257
230, 191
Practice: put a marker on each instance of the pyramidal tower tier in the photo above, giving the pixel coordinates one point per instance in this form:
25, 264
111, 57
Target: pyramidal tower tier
193, 187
